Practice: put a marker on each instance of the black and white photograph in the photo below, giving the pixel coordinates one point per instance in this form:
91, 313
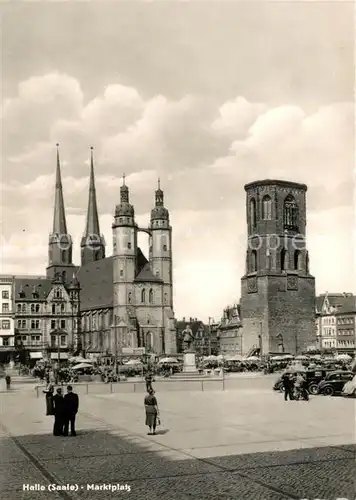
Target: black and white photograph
178, 250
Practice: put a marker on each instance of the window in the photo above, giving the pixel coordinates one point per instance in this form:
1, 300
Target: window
64, 254
129, 298
266, 208
53, 324
297, 260
253, 261
253, 218
5, 294
53, 341
5, 307
121, 272
165, 298
62, 308
21, 324
37, 308
6, 341
165, 248
143, 296
129, 245
290, 213
284, 259
5, 324
63, 324
150, 296
19, 308
63, 340
35, 324
58, 293
32, 308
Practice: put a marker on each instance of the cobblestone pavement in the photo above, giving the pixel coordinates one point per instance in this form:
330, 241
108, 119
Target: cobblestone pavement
214, 445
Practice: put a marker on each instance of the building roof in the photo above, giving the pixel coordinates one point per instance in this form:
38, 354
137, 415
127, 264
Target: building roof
141, 261
343, 302
146, 274
276, 182
28, 285
96, 283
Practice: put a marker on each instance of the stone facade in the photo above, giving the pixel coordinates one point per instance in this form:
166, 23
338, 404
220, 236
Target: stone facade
277, 290
7, 323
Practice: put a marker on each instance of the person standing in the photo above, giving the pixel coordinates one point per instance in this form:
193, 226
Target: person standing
71, 405
8, 382
151, 408
58, 403
288, 387
148, 379
49, 400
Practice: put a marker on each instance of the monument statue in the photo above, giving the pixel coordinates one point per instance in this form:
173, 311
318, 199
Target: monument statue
188, 340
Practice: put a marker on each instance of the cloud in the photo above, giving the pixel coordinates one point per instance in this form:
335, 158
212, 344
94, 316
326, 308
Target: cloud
203, 151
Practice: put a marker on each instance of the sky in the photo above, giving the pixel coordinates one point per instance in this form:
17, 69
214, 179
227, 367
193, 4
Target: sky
205, 95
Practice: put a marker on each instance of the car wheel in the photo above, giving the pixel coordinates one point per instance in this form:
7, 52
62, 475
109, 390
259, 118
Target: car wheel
328, 391
313, 389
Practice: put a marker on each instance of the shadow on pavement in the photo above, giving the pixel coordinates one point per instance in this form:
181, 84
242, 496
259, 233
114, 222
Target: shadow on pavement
153, 470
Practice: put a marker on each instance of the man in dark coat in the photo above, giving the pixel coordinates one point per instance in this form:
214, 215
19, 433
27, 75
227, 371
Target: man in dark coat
288, 386
71, 405
59, 415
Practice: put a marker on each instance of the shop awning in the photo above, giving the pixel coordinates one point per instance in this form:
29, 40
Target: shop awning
62, 355
36, 355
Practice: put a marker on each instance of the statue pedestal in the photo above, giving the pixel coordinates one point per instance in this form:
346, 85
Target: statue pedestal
189, 365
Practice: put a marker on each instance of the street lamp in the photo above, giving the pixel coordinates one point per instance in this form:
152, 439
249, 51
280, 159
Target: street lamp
210, 334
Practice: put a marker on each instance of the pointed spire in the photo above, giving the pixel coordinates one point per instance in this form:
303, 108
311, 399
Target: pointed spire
59, 218
124, 191
159, 195
92, 224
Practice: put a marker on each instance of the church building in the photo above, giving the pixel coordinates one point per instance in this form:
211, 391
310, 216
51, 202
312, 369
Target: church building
277, 290
125, 301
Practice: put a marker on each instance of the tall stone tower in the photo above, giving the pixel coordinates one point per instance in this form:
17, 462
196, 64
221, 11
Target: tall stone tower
124, 256
93, 243
160, 247
60, 243
277, 290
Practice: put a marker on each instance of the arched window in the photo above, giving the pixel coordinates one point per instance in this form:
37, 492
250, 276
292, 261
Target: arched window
64, 256
148, 341
253, 261
290, 213
150, 296
253, 218
32, 308
143, 296
297, 260
53, 308
19, 308
266, 208
166, 298
129, 298
284, 259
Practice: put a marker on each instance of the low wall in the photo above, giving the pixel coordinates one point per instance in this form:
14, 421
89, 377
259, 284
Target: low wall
221, 384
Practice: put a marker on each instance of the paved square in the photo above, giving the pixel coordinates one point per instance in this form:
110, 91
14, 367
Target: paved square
246, 444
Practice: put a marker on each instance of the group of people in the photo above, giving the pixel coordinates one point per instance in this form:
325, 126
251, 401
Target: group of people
64, 408
295, 386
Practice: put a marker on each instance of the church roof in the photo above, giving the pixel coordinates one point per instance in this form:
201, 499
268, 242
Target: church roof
96, 283
141, 261
146, 274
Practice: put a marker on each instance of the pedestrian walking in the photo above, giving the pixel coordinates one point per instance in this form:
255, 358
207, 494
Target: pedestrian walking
59, 413
8, 382
152, 412
49, 392
71, 406
288, 386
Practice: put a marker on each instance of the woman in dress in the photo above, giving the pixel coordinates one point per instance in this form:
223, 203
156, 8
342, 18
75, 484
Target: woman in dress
151, 407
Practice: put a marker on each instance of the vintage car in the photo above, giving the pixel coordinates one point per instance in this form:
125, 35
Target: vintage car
313, 377
334, 382
349, 389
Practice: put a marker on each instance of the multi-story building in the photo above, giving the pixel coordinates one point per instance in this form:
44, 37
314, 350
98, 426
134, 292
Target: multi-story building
277, 290
335, 321
229, 332
46, 316
7, 331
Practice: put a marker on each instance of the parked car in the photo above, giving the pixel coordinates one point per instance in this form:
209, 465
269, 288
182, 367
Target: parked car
334, 382
313, 377
349, 389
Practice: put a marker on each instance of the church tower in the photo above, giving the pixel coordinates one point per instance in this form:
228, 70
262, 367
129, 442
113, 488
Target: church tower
124, 256
60, 242
277, 290
160, 247
92, 244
